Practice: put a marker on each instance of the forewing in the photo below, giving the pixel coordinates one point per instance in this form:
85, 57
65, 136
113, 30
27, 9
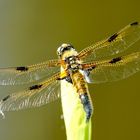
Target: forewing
115, 44
115, 69
28, 74
33, 96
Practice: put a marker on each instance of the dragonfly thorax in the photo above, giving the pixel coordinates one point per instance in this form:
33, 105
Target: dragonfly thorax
73, 63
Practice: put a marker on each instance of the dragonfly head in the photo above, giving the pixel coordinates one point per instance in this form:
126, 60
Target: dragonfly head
64, 48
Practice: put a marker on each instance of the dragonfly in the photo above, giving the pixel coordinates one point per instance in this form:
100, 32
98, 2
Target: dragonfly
99, 63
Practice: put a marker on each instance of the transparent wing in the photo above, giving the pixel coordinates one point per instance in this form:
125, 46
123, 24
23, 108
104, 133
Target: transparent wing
28, 74
33, 96
115, 69
115, 44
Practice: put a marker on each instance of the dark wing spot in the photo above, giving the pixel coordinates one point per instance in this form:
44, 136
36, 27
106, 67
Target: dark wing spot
93, 67
22, 68
35, 87
112, 37
134, 23
4, 99
60, 78
114, 60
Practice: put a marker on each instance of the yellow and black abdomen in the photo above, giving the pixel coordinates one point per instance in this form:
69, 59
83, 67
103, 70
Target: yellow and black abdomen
82, 89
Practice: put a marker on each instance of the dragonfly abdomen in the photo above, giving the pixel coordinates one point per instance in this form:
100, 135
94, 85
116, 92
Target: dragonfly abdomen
85, 100
82, 89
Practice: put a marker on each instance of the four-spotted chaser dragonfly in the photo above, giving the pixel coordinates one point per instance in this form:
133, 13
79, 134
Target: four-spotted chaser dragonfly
91, 65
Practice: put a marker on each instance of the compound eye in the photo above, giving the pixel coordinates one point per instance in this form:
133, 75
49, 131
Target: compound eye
64, 47
59, 51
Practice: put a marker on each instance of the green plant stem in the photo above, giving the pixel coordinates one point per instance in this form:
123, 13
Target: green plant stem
74, 115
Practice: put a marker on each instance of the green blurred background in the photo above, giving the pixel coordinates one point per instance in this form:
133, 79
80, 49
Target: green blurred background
31, 31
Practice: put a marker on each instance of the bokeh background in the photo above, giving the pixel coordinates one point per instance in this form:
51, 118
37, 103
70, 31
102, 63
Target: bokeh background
31, 31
